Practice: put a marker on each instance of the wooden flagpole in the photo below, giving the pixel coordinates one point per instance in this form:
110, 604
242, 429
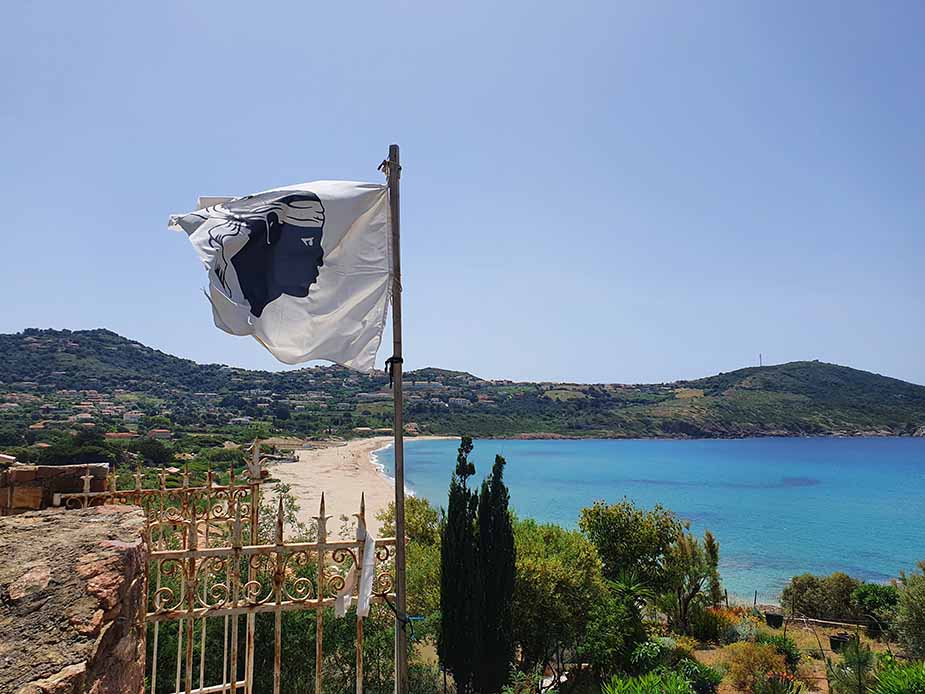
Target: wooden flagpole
401, 636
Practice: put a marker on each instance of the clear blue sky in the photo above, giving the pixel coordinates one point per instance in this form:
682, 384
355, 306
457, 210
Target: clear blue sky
592, 191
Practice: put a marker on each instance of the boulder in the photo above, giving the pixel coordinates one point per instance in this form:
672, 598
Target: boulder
72, 601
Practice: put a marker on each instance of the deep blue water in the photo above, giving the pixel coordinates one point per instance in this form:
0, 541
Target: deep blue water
778, 507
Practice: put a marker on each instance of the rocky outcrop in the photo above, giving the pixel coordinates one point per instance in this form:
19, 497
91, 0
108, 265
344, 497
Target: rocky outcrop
72, 601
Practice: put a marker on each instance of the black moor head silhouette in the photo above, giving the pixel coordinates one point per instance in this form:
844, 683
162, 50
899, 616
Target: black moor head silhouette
282, 253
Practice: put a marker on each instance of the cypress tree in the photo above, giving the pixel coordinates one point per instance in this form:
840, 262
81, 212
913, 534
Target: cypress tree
497, 557
711, 545
460, 596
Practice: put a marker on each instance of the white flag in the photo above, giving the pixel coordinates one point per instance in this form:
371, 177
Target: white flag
305, 269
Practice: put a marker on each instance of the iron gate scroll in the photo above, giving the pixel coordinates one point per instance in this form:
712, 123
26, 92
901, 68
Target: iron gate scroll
207, 569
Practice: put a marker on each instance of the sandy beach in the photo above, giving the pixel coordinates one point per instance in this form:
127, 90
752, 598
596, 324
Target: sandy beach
343, 471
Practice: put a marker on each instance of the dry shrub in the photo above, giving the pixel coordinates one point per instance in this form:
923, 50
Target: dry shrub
685, 647
748, 663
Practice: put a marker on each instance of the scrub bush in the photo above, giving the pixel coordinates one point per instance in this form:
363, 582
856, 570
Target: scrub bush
910, 612
749, 663
785, 646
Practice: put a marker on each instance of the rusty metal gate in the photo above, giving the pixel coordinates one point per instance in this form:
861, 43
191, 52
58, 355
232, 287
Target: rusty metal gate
214, 564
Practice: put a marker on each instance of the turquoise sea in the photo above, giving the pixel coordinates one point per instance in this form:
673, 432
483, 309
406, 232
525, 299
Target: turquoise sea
778, 507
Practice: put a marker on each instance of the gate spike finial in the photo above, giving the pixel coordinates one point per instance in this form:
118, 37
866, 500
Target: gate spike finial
236, 539
322, 521
279, 522
361, 518
192, 540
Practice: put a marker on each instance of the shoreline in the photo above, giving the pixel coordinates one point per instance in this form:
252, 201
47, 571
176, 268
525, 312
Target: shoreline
342, 472
549, 436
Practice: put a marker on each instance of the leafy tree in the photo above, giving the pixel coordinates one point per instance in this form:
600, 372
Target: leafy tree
876, 601
225, 455
28, 456
558, 580
66, 452
422, 522
820, 597
497, 564
628, 537
458, 642
152, 451
910, 612
232, 402
10, 436
422, 528
89, 437
157, 422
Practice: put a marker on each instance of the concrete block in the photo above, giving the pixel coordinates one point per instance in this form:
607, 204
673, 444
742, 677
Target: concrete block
27, 497
19, 474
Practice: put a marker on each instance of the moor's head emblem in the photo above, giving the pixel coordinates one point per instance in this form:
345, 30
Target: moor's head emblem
273, 241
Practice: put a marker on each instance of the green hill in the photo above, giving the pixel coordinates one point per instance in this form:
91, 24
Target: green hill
45, 373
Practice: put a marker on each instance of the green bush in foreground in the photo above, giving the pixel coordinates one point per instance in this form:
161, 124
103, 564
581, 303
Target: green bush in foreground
703, 679
647, 656
910, 612
779, 683
651, 683
901, 679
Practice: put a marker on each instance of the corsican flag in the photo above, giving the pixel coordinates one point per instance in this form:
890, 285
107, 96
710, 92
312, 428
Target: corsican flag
304, 269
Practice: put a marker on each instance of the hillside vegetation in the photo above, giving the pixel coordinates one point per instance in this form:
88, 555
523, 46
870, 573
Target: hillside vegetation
44, 374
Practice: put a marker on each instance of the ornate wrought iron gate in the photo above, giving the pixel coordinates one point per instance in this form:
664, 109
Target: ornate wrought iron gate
213, 561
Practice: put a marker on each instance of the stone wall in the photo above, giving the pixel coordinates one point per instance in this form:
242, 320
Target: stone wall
72, 601
32, 487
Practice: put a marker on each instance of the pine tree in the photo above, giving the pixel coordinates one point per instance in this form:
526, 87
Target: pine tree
711, 546
460, 595
497, 557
